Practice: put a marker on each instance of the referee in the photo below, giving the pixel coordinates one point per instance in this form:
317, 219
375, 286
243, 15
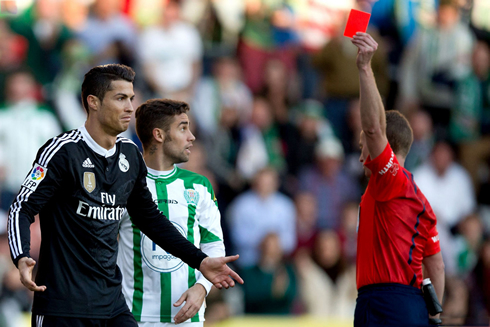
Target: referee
80, 184
397, 227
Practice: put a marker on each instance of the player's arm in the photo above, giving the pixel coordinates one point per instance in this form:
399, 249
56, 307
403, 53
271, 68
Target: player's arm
373, 119
37, 189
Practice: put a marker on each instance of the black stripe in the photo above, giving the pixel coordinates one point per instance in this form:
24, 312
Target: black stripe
414, 279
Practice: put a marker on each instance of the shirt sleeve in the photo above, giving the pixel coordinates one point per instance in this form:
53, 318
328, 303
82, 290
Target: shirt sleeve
387, 179
46, 176
432, 246
148, 219
210, 231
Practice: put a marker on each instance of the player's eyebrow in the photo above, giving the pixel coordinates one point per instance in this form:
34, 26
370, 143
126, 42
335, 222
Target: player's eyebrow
124, 95
184, 123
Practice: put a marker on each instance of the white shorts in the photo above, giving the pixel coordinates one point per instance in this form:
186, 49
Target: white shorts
168, 324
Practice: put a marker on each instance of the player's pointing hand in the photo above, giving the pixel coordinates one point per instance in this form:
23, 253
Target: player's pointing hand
367, 47
217, 271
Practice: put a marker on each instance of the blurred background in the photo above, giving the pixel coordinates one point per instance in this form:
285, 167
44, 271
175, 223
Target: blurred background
273, 88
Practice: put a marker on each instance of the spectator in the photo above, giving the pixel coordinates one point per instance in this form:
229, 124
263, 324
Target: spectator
479, 288
108, 34
437, 59
306, 220
327, 281
348, 231
470, 122
171, 54
47, 37
469, 242
318, 21
223, 147
328, 182
423, 139
12, 53
267, 34
447, 186
258, 212
223, 89
25, 125
271, 286
261, 142
312, 127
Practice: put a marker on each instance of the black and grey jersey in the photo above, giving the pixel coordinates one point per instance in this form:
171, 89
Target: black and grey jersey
80, 191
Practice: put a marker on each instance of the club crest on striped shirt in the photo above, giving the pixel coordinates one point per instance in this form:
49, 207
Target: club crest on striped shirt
191, 196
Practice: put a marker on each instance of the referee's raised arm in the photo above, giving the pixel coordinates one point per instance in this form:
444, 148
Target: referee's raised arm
373, 119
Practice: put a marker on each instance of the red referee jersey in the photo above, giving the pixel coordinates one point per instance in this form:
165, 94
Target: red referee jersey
397, 227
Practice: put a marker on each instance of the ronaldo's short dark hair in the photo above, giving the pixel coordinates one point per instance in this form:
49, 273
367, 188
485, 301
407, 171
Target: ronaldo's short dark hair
398, 132
157, 113
98, 80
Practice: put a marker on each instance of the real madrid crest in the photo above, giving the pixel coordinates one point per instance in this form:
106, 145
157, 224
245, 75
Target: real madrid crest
89, 181
123, 163
191, 196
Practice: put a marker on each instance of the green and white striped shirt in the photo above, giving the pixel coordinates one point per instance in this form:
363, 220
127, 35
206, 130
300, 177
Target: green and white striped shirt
152, 278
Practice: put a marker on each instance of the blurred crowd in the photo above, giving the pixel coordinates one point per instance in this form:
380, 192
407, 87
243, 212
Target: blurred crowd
274, 95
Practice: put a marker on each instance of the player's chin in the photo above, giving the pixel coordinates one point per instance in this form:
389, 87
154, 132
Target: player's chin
367, 172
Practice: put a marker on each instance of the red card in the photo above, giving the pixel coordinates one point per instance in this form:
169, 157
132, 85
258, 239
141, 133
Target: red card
358, 22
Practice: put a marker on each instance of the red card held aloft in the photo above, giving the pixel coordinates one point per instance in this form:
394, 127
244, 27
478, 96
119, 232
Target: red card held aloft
358, 22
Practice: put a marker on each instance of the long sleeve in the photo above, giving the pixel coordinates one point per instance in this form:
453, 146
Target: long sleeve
42, 182
147, 218
211, 232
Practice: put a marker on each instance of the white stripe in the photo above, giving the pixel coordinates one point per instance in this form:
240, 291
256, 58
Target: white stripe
42, 321
60, 146
12, 236
14, 224
37, 321
54, 147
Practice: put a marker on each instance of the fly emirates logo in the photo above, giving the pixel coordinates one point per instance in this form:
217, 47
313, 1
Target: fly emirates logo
101, 212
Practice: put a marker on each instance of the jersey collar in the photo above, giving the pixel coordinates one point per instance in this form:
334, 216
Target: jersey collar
94, 146
161, 174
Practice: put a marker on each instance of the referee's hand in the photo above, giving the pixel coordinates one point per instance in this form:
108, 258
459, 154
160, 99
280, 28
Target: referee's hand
217, 271
25, 269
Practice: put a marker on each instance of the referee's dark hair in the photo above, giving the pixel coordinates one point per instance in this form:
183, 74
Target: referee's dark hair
398, 132
157, 113
98, 80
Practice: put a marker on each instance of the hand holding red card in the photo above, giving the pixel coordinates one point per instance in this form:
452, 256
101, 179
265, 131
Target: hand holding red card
357, 22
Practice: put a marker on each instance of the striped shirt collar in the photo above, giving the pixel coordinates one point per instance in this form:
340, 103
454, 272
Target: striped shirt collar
94, 145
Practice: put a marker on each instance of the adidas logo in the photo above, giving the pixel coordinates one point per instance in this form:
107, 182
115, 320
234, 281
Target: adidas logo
88, 164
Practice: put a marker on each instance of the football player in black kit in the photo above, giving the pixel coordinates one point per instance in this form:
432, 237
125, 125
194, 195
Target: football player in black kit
80, 184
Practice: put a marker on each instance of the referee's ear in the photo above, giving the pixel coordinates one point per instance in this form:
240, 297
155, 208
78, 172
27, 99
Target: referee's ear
158, 135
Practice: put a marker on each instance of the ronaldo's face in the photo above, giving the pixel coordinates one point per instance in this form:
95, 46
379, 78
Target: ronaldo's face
364, 154
116, 108
178, 140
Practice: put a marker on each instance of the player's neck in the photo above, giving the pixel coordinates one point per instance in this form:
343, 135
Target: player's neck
157, 161
100, 136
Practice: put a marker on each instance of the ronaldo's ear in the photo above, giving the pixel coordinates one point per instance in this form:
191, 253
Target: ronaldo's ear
158, 135
93, 102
